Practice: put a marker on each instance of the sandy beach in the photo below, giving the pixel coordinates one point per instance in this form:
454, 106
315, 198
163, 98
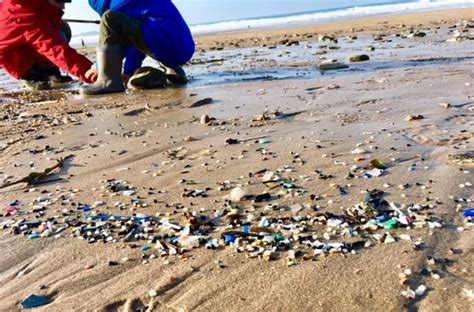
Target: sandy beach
247, 190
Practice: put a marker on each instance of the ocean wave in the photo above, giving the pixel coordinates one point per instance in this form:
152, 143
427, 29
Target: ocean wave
325, 16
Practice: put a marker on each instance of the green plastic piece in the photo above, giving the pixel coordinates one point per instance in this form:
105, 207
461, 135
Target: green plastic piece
279, 237
376, 163
391, 224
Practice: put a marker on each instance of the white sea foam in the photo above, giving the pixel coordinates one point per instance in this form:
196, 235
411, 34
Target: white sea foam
423, 5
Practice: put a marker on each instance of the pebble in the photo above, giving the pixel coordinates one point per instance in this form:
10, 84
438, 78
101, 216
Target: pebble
405, 237
409, 293
414, 117
389, 239
99, 203
332, 66
205, 119
359, 58
359, 151
128, 193
268, 255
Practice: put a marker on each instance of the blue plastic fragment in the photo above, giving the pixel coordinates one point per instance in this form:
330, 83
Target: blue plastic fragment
34, 301
100, 217
106, 217
86, 208
469, 212
246, 229
229, 238
382, 218
145, 248
288, 185
34, 236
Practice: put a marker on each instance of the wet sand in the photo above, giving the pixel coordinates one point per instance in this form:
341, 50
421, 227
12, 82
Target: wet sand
321, 130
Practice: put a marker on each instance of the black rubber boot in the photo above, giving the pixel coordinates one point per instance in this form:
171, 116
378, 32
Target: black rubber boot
36, 81
55, 77
147, 78
36, 85
175, 75
110, 72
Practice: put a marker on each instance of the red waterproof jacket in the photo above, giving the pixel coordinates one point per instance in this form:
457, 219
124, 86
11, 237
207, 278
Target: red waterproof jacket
30, 33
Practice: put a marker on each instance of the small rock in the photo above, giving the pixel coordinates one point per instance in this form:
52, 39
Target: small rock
409, 293
205, 119
128, 192
99, 203
359, 58
268, 255
153, 293
389, 239
333, 66
205, 101
189, 139
405, 237
418, 34
296, 207
359, 151
414, 117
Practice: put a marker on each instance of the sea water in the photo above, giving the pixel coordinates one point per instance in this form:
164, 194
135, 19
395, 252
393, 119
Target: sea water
212, 16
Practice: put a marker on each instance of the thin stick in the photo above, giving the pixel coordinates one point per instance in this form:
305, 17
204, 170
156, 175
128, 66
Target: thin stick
81, 21
35, 177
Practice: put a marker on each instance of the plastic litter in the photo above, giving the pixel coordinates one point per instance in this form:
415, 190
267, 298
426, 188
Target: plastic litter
34, 301
237, 194
469, 212
34, 236
378, 164
288, 185
229, 238
374, 173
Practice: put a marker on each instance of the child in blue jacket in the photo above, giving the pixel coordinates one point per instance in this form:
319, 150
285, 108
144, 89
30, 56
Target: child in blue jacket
134, 29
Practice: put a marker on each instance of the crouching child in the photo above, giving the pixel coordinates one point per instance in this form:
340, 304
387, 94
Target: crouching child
136, 29
34, 44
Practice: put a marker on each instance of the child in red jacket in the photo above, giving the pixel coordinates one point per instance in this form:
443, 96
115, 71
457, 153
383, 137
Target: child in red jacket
34, 44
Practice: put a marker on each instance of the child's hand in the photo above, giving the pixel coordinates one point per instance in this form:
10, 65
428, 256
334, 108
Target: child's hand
92, 74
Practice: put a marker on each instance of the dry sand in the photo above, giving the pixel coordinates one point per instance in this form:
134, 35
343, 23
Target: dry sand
123, 136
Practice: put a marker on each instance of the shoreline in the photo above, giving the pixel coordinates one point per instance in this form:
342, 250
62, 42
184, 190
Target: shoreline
369, 24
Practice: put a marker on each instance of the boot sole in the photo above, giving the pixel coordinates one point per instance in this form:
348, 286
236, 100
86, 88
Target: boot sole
85, 92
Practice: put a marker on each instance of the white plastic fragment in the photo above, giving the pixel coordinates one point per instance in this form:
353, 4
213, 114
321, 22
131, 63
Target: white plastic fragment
237, 194
420, 291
